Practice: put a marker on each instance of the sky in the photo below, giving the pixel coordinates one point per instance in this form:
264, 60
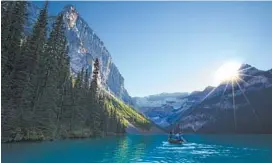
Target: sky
178, 46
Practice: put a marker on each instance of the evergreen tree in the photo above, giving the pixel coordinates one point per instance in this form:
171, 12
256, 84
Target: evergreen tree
62, 65
26, 66
86, 80
68, 112
95, 79
25, 73
105, 121
95, 110
12, 26
54, 74
43, 99
78, 81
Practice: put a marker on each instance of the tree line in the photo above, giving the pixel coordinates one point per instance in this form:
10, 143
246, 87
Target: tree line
41, 100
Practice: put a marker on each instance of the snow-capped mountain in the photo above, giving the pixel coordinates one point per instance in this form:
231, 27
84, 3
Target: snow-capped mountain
84, 46
166, 110
158, 100
161, 106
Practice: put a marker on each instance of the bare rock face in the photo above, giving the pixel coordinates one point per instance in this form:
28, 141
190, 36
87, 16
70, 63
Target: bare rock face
84, 46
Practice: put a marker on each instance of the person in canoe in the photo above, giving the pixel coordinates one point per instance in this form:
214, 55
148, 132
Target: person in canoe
177, 137
170, 135
174, 139
180, 138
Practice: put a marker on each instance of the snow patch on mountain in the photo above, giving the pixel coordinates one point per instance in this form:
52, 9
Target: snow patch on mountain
167, 111
160, 107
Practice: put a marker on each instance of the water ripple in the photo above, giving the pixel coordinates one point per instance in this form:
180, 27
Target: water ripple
136, 149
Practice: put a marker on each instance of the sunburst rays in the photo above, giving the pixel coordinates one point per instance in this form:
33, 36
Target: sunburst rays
233, 105
234, 81
247, 100
209, 94
233, 84
222, 97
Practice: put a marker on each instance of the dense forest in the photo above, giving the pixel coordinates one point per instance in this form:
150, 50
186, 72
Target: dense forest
41, 100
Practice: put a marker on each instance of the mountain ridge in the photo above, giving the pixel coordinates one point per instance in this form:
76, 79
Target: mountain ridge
255, 80
84, 46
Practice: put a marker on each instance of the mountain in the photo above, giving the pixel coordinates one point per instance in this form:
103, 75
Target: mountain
131, 117
40, 98
166, 110
244, 107
160, 107
211, 110
84, 46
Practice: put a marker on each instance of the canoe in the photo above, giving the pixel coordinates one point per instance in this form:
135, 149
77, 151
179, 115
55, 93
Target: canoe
175, 141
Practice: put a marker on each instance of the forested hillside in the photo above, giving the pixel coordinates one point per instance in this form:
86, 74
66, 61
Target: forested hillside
40, 98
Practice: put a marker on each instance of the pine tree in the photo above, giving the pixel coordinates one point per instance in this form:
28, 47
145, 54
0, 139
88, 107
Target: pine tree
54, 74
103, 116
68, 112
43, 100
94, 89
62, 66
12, 26
86, 80
65, 86
25, 73
95, 79
105, 121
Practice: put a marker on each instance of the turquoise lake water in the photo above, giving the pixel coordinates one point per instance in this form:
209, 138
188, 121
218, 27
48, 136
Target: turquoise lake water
140, 149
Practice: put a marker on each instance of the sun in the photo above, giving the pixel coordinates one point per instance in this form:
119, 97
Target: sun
227, 72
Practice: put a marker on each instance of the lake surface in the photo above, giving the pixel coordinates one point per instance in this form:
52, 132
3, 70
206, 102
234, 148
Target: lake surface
140, 149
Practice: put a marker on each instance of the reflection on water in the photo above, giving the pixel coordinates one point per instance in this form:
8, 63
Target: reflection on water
143, 149
121, 150
130, 148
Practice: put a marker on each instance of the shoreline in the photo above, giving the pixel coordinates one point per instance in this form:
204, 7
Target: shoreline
57, 139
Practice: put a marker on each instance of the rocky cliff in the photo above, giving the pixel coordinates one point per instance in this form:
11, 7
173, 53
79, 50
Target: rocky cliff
84, 46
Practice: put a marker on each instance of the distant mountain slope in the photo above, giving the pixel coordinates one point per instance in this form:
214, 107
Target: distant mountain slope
245, 108
248, 117
159, 107
211, 110
128, 113
136, 123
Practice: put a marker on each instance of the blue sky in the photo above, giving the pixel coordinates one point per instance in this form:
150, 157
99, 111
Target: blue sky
177, 46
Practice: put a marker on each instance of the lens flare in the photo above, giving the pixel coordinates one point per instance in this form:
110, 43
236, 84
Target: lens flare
227, 72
